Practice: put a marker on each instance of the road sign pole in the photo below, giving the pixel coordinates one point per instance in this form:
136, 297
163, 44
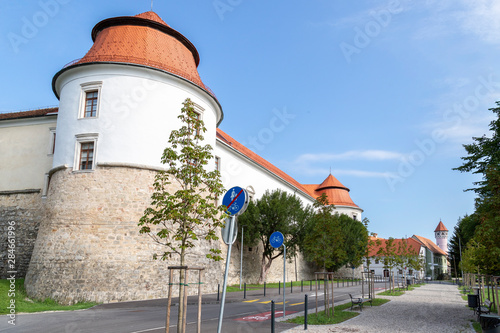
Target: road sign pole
241, 257
229, 246
284, 278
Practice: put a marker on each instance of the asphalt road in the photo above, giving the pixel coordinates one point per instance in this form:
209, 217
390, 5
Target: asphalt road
240, 315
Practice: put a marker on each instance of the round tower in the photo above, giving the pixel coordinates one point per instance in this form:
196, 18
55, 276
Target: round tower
441, 234
338, 195
118, 105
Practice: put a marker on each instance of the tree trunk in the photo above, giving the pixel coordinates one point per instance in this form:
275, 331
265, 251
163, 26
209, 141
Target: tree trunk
264, 267
182, 290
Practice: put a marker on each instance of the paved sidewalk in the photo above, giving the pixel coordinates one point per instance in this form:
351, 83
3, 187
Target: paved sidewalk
430, 308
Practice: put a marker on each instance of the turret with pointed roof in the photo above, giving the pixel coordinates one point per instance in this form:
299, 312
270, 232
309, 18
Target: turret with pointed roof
441, 234
338, 195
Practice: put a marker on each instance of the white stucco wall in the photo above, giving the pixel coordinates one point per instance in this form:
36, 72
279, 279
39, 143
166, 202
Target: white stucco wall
350, 211
237, 170
25, 152
138, 109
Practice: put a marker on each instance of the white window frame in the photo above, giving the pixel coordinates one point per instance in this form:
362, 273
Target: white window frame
217, 163
80, 139
198, 110
52, 141
88, 87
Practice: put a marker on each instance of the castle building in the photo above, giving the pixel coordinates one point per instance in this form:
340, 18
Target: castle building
77, 178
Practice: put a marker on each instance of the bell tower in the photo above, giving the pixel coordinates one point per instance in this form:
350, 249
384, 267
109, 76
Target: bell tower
441, 234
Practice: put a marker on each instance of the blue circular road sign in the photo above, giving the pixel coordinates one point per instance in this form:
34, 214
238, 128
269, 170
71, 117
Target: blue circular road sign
236, 200
276, 239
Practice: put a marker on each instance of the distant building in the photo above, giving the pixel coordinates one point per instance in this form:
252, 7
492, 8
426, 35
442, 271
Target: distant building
436, 256
376, 262
433, 255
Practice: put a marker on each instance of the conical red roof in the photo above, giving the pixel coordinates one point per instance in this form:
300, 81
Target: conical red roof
338, 194
144, 40
331, 182
440, 227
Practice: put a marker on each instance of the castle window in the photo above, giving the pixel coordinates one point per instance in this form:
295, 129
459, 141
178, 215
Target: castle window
52, 142
217, 163
199, 114
90, 100
90, 104
85, 154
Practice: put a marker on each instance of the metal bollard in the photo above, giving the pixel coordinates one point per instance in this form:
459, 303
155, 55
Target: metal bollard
301, 285
245, 291
272, 316
305, 313
310, 285
279, 287
291, 287
264, 289
218, 291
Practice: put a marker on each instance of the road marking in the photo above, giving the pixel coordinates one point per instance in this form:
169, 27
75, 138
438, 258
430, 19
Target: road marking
296, 303
151, 329
265, 302
251, 301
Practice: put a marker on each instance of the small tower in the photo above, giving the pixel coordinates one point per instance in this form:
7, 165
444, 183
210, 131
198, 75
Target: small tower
441, 237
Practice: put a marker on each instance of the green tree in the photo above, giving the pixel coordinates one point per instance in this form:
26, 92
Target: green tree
463, 232
355, 240
484, 158
274, 211
387, 253
323, 242
183, 206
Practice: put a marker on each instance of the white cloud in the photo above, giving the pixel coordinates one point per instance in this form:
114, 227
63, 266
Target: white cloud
369, 155
311, 171
307, 164
442, 18
482, 18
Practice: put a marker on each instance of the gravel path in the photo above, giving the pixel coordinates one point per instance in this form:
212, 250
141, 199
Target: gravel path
430, 308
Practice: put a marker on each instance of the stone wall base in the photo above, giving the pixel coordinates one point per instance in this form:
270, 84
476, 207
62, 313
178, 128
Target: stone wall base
20, 216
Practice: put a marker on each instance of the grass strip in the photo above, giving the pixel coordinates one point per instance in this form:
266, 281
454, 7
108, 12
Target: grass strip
24, 304
276, 285
397, 292
340, 315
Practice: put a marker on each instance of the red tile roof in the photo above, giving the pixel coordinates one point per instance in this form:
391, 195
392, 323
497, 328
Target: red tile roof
413, 245
260, 161
337, 193
429, 244
440, 227
144, 39
28, 114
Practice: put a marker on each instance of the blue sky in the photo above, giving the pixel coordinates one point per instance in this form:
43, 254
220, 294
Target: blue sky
382, 92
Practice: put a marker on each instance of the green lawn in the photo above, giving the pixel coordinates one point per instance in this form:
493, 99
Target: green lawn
24, 304
236, 287
340, 314
397, 292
